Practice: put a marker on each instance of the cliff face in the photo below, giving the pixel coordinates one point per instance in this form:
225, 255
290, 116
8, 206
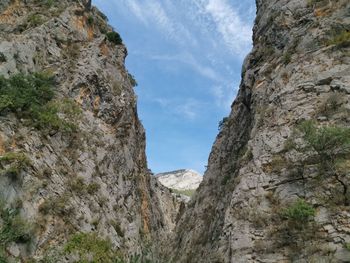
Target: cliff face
72, 154
74, 181
277, 185
182, 180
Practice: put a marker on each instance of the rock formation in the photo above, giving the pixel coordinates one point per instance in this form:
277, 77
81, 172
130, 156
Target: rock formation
182, 183
74, 180
277, 184
185, 179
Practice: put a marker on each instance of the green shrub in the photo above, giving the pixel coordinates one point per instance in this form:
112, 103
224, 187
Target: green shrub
327, 141
300, 212
114, 38
30, 97
55, 206
2, 57
347, 246
17, 161
77, 185
90, 20
225, 179
48, 3
87, 245
341, 39
222, 123
287, 57
20, 93
47, 116
117, 228
13, 229
312, 3
102, 15
132, 80
92, 188
15, 156
35, 20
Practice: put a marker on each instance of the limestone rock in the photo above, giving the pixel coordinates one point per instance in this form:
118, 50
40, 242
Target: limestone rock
260, 163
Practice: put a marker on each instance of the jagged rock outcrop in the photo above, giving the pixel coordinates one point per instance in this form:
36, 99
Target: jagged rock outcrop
183, 183
185, 179
277, 184
77, 163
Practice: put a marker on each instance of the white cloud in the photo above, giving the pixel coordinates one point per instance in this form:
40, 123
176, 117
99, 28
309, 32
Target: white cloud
235, 33
137, 10
223, 95
152, 13
183, 108
188, 109
189, 59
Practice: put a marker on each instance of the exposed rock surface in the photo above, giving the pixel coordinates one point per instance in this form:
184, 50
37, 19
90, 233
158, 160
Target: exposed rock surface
92, 180
271, 192
185, 179
262, 161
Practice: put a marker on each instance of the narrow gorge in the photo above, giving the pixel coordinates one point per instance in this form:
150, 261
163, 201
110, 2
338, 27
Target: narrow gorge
74, 180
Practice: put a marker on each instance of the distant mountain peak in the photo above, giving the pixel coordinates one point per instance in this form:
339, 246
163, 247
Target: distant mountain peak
183, 179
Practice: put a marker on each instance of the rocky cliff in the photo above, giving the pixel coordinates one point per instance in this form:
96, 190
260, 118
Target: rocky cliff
74, 181
185, 179
277, 184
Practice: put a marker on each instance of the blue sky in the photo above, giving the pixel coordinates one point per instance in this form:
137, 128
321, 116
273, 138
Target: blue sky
186, 56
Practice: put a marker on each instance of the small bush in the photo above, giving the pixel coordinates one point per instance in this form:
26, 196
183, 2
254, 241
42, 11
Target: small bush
332, 105
300, 212
341, 39
78, 185
90, 248
225, 179
103, 16
287, 57
132, 80
30, 97
2, 57
327, 141
92, 188
35, 20
117, 228
347, 246
222, 123
114, 38
46, 118
312, 3
47, 3
13, 229
90, 20
20, 93
55, 206
16, 161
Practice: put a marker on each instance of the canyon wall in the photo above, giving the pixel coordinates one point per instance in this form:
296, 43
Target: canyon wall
72, 149
277, 185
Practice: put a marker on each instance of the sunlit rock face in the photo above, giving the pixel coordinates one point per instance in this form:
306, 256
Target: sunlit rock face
277, 184
185, 179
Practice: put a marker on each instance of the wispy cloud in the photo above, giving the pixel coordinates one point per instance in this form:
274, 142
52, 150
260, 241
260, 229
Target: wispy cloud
152, 13
189, 59
235, 33
187, 108
223, 95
